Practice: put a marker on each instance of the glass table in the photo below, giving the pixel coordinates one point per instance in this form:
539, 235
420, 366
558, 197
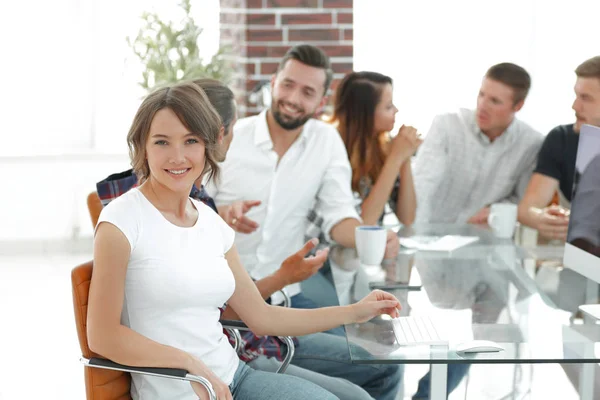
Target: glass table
483, 289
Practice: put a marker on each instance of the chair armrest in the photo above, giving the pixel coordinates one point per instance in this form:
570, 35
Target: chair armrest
291, 348
289, 342
107, 364
233, 327
394, 286
237, 338
234, 324
287, 302
171, 373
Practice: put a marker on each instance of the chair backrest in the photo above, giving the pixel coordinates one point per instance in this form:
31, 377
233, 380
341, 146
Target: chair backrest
100, 384
94, 207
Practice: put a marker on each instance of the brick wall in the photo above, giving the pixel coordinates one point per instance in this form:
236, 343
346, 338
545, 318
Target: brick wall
259, 32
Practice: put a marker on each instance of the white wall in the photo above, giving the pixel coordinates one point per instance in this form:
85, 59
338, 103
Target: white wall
69, 93
45, 197
69, 88
437, 51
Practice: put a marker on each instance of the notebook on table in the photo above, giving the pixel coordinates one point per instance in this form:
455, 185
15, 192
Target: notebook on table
437, 243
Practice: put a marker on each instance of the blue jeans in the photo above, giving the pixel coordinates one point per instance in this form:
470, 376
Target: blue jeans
320, 288
455, 374
339, 387
328, 354
250, 384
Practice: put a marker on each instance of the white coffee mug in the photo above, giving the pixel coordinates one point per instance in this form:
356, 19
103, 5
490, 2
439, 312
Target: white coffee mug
503, 219
370, 244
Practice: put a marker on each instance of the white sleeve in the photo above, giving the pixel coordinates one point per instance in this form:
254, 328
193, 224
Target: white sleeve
226, 232
430, 164
335, 201
125, 216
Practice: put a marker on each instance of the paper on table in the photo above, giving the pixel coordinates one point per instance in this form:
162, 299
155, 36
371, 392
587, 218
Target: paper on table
437, 243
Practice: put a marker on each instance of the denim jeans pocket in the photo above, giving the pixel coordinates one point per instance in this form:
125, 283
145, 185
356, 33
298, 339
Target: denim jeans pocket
240, 372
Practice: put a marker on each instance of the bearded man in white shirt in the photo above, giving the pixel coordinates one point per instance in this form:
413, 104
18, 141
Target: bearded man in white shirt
474, 158
292, 163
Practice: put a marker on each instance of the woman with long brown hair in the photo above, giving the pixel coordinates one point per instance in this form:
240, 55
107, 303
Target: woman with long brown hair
364, 113
381, 165
381, 173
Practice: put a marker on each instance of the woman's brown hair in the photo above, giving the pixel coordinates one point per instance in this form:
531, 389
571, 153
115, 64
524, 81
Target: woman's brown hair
193, 108
355, 101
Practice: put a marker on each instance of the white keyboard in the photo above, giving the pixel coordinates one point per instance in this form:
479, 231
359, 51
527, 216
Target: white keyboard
418, 330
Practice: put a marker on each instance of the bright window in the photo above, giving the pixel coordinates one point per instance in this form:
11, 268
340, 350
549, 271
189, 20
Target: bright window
70, 79
438, 51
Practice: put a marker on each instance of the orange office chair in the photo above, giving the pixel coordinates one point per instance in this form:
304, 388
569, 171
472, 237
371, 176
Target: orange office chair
94, 207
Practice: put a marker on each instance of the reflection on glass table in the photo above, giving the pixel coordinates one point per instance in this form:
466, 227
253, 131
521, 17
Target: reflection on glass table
483, 293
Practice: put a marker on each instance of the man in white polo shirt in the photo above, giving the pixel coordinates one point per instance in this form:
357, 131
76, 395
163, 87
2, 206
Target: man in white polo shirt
293, 163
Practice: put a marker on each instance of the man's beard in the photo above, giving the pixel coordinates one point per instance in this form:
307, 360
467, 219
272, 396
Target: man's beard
286, 123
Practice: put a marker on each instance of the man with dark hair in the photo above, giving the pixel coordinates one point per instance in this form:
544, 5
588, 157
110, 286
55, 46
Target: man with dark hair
514, 76
292, 163
556, 161
311, 56
474, 158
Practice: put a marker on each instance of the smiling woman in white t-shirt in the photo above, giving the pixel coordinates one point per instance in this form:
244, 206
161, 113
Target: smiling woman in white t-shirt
164, 264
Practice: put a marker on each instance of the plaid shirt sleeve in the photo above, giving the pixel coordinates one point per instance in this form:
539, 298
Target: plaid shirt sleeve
255, 346
115, 185
202, 195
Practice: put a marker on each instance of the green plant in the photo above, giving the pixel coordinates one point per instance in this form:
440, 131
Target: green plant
170, 52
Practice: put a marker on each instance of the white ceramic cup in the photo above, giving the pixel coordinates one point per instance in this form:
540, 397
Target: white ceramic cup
370, 244
503, 219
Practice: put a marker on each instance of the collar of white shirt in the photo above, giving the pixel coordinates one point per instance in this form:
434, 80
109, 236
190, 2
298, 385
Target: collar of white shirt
262, 136
507, 137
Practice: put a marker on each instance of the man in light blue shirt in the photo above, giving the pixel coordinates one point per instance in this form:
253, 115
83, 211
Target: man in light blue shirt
474, 158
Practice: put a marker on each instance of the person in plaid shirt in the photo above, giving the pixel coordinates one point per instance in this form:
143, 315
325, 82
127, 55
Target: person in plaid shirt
260, 352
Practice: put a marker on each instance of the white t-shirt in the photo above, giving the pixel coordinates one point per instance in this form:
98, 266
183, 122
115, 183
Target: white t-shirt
176, 279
